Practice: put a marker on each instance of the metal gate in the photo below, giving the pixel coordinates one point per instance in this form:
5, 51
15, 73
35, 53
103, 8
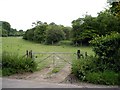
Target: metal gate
53, 59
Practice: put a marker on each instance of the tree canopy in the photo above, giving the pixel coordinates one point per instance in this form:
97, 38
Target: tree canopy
8, 31
47, 33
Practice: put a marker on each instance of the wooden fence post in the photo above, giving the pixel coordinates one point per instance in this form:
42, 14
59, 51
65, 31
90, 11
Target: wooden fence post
30, 53
78, 54
86, 54
27, 53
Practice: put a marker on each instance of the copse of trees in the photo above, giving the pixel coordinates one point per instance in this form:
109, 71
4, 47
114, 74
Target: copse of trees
84, 29
8, 31
47, 33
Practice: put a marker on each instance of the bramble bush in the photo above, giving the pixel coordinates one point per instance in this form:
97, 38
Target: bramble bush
13, 63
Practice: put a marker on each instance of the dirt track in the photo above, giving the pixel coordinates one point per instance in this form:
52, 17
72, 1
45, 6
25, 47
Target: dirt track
63, 76
44, 75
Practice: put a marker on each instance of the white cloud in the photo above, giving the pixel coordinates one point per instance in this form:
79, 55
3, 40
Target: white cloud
21, 13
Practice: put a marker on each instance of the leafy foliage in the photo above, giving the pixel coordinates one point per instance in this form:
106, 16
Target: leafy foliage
86, 69
81, 67
8, 31
85, 29
47, 33
106, 77
108, 50
115, 8
13, 63
54, 34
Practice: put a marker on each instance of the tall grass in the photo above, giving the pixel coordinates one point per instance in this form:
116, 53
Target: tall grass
13, 63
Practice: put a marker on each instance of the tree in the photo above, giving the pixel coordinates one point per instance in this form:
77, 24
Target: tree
39, 33
67, 32
107, 22
6, 26
21, 32
83, 30
54, 34
115, 8
29, 34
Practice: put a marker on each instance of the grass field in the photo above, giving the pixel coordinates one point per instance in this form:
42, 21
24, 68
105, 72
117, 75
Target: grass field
18, 45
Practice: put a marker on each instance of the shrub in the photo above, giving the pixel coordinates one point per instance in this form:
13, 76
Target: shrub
54, 34
13, 63
106, 77
82, 66
88, 69
105, 67
107, 48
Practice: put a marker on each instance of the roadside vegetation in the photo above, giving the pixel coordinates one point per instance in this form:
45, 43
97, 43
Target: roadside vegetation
13, 63
104, 68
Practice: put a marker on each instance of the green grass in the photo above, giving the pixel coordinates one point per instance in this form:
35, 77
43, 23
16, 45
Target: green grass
17, 44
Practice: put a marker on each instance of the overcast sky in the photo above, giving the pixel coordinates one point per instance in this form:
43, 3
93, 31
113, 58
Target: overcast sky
21, 13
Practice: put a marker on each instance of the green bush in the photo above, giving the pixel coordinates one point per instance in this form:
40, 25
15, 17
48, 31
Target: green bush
107, 48
106, 77
13, 63
105, 67
84, 65
88, 69
54, 34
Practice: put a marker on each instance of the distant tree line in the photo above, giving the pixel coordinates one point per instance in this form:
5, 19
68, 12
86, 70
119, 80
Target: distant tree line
83, 29
6, 30
47, 33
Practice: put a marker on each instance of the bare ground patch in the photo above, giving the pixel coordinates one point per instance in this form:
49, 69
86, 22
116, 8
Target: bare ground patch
44, 75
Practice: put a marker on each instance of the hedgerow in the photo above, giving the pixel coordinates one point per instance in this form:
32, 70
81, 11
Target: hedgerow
104, 67
107, 48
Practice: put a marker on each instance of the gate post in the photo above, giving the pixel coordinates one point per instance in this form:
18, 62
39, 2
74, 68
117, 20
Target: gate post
86, 54
78, 54
27, 53
53, 60
30, 54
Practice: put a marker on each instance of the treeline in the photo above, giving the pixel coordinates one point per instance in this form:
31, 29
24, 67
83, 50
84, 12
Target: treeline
83, 29
6, 30
47, 33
